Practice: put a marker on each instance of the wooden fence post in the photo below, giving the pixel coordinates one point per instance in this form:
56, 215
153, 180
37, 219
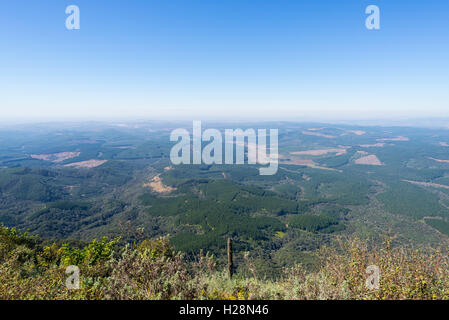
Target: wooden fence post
230, 264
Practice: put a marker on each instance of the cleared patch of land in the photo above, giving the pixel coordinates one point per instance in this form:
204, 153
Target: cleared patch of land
379, 145
299, 162
400, 138
86, 164
438, 160
304, 162
317, 134
157, 186
357, 132
427, 184
372, 160
55, 157
320, 152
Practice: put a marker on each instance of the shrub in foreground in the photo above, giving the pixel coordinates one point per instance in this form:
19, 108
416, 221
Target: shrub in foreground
153, 270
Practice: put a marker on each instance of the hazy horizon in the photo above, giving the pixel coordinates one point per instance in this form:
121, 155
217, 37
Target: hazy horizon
424, 122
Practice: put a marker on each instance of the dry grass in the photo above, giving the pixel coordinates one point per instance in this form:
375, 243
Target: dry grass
153, 270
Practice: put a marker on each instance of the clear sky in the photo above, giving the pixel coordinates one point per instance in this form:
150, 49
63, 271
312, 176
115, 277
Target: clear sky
227, 59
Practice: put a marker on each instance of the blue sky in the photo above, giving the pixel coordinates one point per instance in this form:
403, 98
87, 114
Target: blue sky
228, 59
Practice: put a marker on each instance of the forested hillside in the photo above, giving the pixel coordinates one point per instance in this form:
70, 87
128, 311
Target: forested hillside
75, 183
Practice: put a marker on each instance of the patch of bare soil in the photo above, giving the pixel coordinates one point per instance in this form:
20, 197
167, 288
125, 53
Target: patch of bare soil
311, 133
438, 160
380, 144
357, 132
299, 162
372, 160
157, 186
428, 184
86, 164
304, 162
55, 157
400, 138
320, 152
